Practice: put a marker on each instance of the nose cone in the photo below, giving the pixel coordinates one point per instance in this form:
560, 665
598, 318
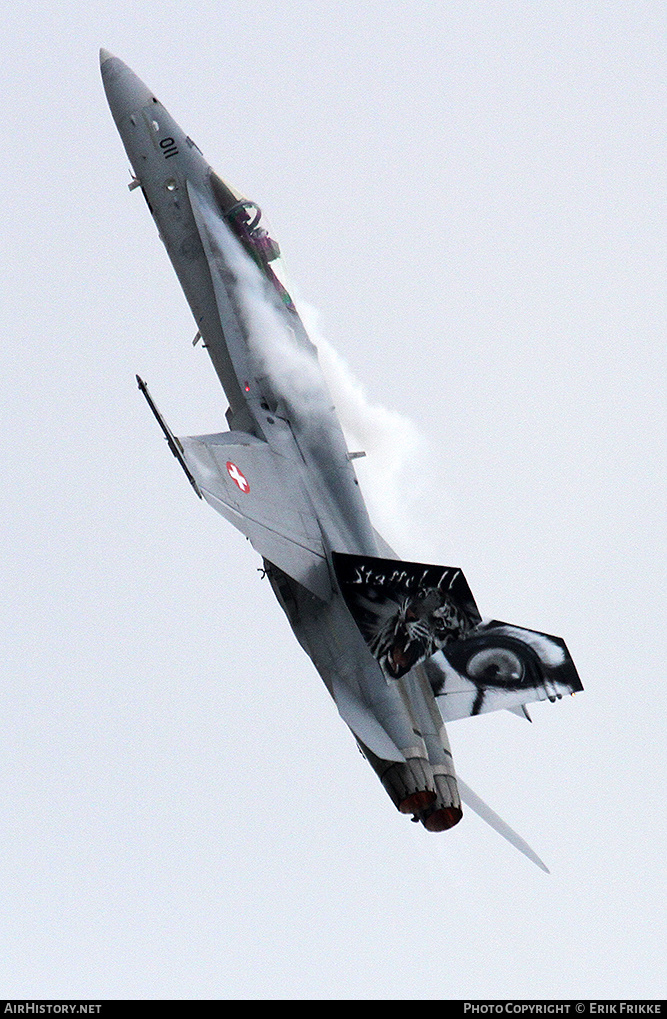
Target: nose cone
125, 92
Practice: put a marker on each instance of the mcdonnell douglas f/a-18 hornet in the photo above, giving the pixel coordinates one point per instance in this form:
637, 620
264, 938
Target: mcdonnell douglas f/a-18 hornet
401, 646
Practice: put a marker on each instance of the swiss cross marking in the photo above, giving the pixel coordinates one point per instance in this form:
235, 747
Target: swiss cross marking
237, 477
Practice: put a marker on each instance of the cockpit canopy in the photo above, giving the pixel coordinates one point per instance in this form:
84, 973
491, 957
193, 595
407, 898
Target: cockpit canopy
245, 219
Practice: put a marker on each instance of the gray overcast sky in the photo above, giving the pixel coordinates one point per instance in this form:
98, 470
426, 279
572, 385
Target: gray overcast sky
472, 195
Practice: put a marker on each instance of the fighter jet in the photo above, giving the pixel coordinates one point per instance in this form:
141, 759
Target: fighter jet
401, 646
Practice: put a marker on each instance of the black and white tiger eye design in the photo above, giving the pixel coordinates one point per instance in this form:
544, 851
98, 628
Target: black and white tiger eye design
405, 611
419, 626
412, 614
498, 665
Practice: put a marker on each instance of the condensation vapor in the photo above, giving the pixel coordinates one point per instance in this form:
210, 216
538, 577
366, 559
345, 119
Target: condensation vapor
279, 355
395, 474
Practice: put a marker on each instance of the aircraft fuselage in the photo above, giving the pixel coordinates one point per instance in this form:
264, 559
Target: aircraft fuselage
373, 625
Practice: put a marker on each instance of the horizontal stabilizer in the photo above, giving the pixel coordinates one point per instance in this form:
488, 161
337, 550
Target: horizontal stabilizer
473, 801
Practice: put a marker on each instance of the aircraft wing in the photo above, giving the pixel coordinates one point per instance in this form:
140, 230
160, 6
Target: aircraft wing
261, 493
